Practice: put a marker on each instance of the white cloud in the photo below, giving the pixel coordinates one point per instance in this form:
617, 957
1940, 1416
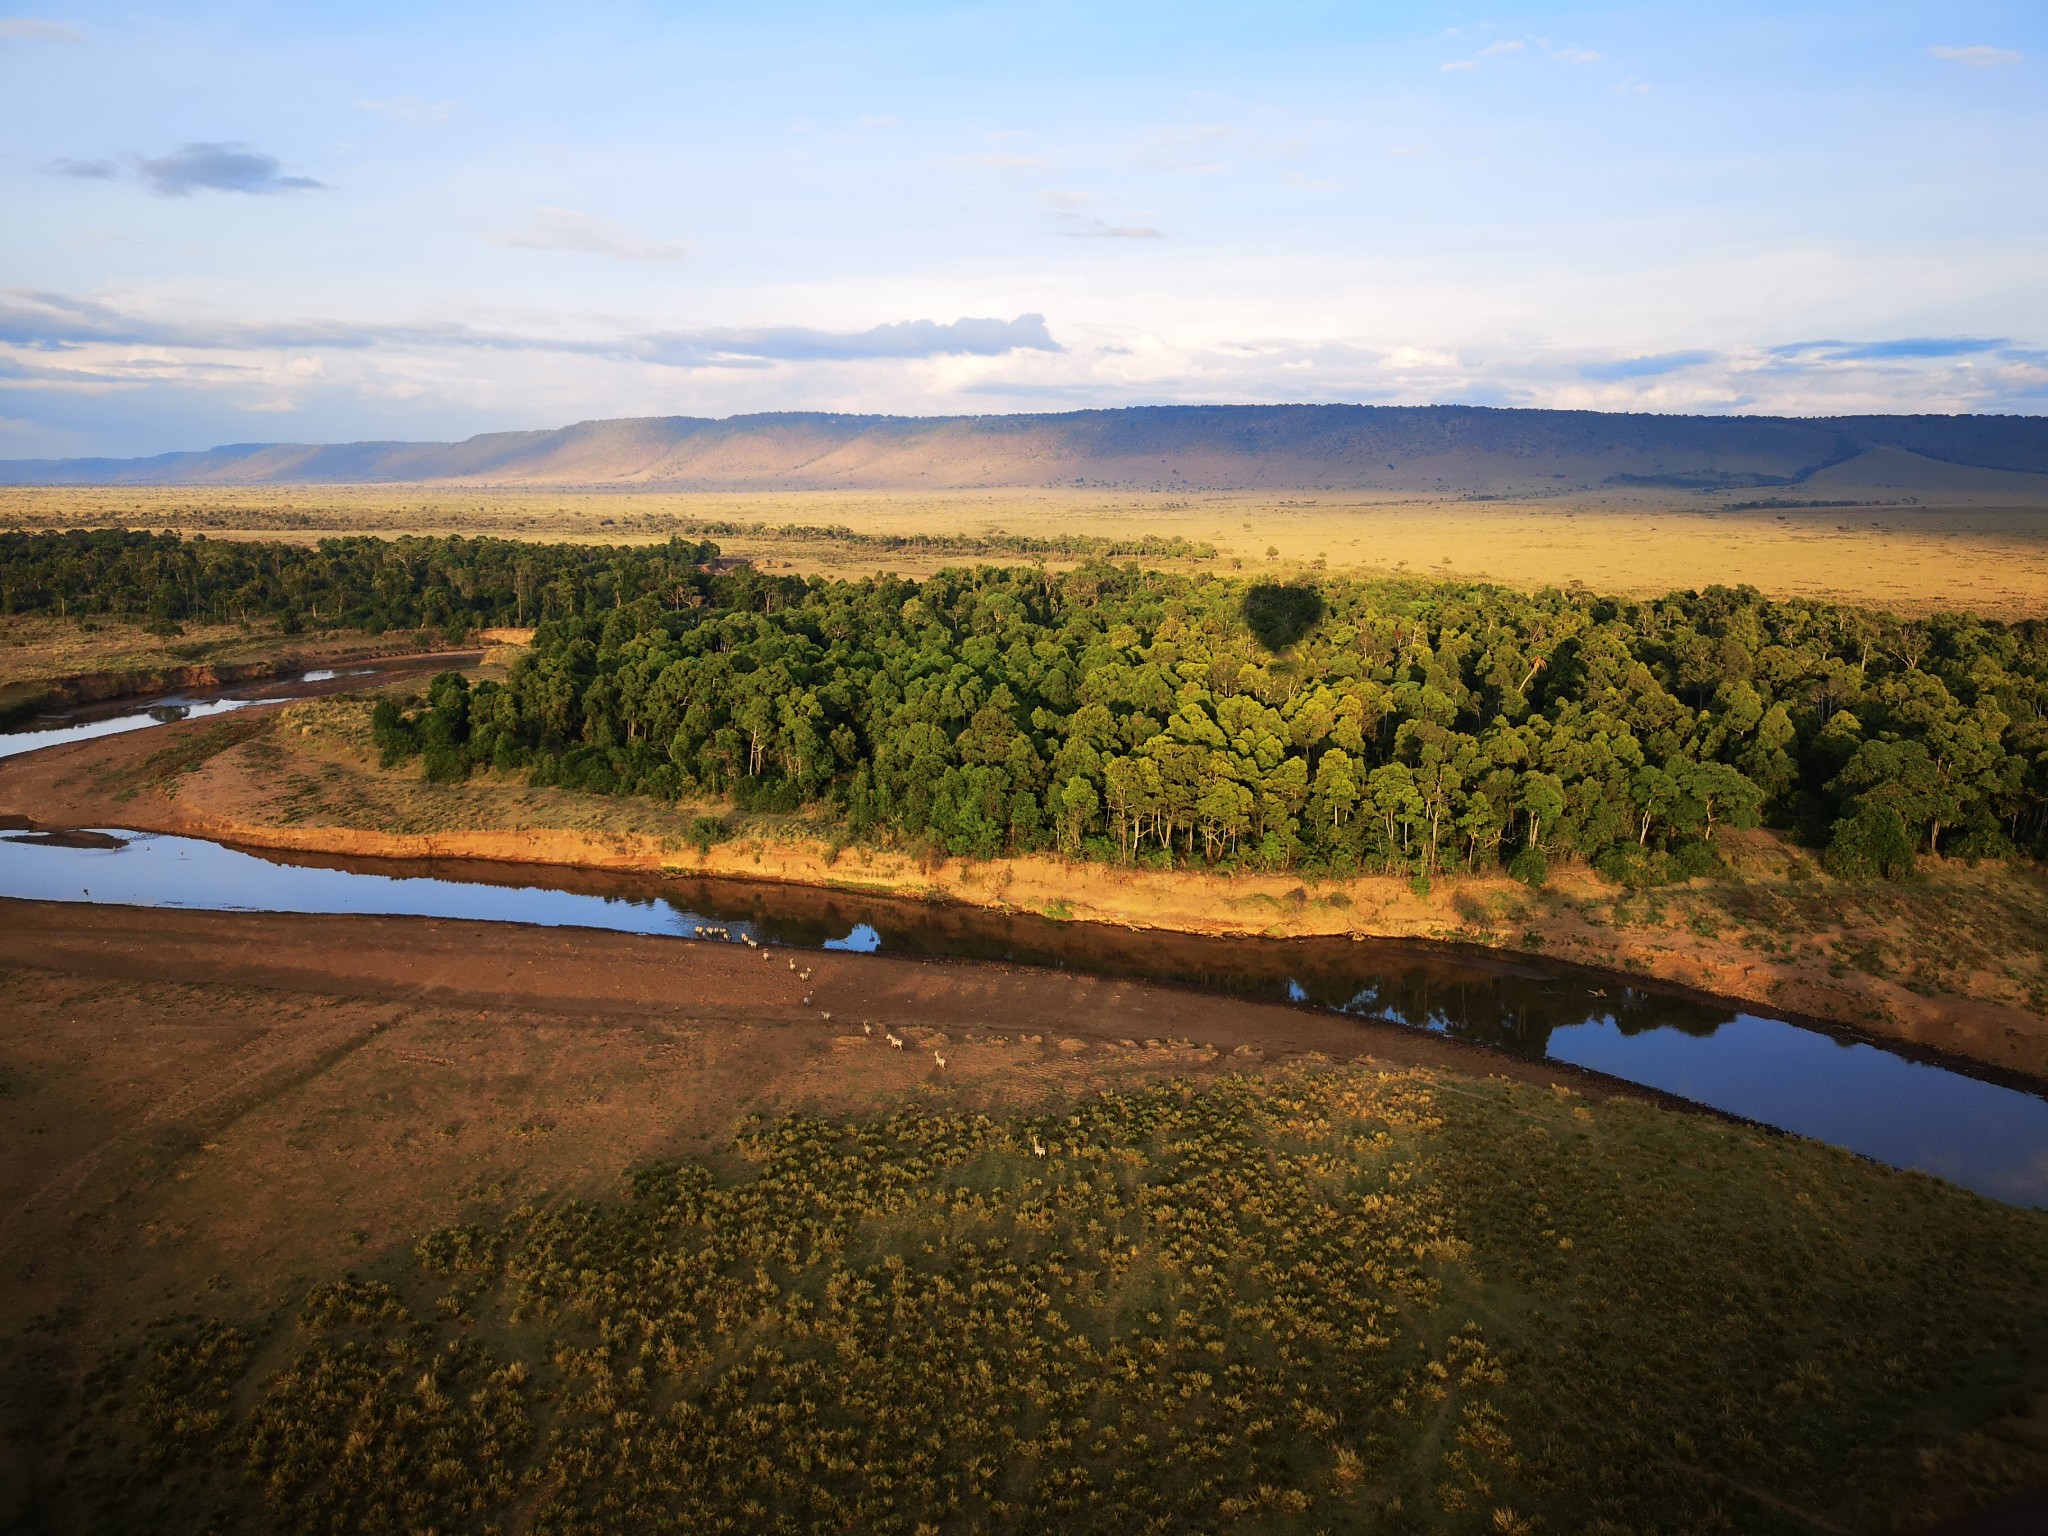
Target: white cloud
1001, 162
28, 29
1086, 226
1456, 64
567, 229
1505, 45
1576, 55
410, 109
1977, 55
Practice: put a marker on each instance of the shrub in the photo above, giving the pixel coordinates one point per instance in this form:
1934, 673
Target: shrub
1873, 844
1531, 866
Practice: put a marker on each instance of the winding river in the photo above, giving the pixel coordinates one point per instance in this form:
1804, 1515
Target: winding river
1872, 1096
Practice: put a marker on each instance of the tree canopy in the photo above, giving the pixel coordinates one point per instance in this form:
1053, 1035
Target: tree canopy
1133, 716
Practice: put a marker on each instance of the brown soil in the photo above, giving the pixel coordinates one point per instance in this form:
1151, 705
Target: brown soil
1952, 962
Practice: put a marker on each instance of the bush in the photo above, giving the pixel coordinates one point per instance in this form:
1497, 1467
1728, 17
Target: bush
1873, 844
1688, 861
1531, 866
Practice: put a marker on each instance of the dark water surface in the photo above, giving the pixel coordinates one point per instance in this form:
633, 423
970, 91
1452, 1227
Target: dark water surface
1869, 1096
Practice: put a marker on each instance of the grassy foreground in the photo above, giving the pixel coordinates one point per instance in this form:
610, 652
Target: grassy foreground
1333, 1299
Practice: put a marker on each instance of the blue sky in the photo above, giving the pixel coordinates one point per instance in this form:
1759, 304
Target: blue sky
310, 222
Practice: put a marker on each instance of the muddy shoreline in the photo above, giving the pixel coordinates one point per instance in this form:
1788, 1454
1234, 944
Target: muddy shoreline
443, 962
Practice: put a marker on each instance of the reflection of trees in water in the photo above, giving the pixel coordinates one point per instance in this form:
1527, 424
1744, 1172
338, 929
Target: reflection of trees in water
1511, 1012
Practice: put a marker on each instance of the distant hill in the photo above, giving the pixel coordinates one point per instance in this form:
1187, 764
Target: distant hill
1456, 450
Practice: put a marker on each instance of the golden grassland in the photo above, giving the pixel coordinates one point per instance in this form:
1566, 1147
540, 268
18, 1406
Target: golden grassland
1986, 556
1956, 958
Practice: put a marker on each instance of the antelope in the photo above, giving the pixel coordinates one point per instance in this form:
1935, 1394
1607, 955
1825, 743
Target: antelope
867, 1029
804, 975
807, 999
895, 1041
792, 965
940, 1060
827, 1017
1037, 1147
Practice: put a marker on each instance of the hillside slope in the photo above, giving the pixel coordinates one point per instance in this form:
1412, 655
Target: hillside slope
1457, 450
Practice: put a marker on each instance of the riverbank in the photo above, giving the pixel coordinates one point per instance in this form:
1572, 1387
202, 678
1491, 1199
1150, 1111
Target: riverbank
50, 664
1951, 961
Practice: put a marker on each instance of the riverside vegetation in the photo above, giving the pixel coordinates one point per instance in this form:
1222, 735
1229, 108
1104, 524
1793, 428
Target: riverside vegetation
1138, 717
1326, 1299
1154, 718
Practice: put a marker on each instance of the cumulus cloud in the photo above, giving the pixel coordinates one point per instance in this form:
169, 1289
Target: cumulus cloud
1977, 55
410, 109
30, 29
218, 167
566, 229
1505, 45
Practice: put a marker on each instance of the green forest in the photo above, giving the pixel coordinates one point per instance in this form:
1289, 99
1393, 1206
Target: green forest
1135, 716
1160, 719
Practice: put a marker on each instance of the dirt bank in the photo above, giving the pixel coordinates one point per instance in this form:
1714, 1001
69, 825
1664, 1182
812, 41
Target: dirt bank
1946, 962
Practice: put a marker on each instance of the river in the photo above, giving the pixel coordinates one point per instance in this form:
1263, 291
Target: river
1872, 1096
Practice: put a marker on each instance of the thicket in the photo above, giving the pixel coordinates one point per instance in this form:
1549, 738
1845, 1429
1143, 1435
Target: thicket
452, 585
1136, 716
1336, 1301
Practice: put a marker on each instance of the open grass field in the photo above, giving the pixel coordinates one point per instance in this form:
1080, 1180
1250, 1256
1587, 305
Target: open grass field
1883, 548
292, 1257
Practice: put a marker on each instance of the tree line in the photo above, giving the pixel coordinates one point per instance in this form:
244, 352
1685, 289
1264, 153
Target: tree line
1135, 716
451, 585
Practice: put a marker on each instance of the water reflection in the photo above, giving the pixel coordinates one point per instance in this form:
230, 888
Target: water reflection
89, 721
1869, 1096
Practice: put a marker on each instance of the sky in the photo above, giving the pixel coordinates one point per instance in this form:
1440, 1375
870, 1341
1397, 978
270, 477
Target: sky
313, 222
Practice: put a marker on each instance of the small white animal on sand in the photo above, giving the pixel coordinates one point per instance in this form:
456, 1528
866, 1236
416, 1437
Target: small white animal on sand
940, 1060
1037, 1147
866, 1028
894, 1040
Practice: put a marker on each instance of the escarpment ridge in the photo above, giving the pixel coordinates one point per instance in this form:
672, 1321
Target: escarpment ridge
1439, 450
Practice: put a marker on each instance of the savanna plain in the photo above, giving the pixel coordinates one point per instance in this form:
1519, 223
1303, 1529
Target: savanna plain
378, 1224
